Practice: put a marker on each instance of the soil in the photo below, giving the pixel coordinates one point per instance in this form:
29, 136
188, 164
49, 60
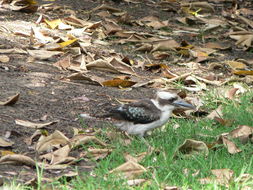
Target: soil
44, 95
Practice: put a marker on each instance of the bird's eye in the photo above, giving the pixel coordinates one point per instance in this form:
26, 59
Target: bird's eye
173, 99
167, 101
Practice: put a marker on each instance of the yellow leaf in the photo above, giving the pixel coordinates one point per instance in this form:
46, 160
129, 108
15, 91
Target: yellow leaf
32, 2
243, 72
53, 23
6, 152
236, 65
66, 43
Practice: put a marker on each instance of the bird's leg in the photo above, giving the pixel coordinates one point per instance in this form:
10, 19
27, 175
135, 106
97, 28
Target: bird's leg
150, 148
127, 135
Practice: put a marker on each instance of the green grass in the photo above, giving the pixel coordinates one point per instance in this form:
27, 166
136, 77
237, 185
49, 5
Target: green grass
165, 169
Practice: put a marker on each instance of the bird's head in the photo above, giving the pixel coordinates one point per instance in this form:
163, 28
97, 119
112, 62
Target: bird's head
170, 101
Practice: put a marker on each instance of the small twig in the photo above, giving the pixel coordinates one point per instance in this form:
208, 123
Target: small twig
177, 78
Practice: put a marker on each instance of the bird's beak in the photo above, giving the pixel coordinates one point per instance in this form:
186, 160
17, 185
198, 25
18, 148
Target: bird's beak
183, 104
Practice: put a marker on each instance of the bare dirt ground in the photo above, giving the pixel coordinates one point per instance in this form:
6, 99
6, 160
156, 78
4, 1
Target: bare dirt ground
43, 96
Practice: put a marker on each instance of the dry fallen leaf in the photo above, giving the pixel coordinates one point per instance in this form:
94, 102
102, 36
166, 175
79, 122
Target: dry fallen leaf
33, 125
222, 177
129, 169
135, 182
116, 82
87, 77
11, 100
215, 113
5, 143
192, 147
4, 59
111, 65
57, 156
244, 38
136, 158
44, 54
17, 159
231, 147
243, 133
171, 188
98, 154
48, 143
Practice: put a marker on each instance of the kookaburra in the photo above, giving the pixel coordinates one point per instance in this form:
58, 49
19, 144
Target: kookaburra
139, 117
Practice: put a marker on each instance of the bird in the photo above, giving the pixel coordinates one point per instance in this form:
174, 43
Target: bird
137, 118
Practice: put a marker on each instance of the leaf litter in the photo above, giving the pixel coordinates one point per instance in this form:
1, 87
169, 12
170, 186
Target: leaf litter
78, 48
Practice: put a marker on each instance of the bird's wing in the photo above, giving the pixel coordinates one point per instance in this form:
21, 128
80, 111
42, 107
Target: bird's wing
142, 112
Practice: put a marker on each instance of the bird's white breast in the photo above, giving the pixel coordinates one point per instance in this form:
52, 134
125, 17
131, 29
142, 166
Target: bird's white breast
140, 129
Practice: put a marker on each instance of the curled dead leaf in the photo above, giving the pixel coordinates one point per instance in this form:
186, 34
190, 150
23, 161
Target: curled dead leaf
33, 125
129, 169
192, 147
17, 159
222, 177
231, 147
99, 153
11, 100
243, 133
4, 59
55, 140
215, 113
57, 156
5, 143
135, 182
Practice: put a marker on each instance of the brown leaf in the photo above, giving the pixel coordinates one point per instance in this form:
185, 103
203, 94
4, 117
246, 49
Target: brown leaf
244, 38
44, 54
17, 159
112, 65
55, 140
191, 147
33, 125
63, 64
13, 51
4, 59
224, 122
135, 182
217, 45
215, 113
116, 82
231, 93
26, 6
243, 133
137, 158
57, 156
11, 100
88, 77
235, 65
108, 8
222, 177
111, 27
204, 7
5, 143
129, 169
84, 139
98, 154
164, 45
231, 147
